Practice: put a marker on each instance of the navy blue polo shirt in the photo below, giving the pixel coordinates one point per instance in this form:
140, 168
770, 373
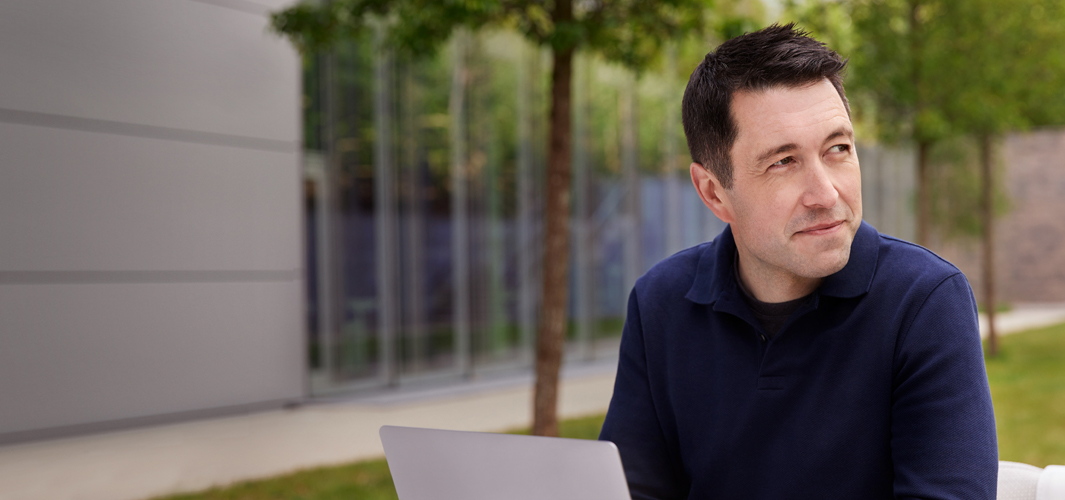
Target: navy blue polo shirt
873, 389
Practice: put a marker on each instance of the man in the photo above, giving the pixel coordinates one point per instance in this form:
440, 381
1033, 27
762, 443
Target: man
800, 354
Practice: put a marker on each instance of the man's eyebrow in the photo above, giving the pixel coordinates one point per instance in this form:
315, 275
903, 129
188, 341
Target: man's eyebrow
842, 131
769, 153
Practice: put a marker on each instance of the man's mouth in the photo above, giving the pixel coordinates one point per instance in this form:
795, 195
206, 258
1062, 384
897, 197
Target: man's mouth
824, 228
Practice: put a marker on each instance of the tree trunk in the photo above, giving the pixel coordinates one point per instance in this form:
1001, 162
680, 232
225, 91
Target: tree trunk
924, 208
924, 201
460, 208
988, 214
551, 335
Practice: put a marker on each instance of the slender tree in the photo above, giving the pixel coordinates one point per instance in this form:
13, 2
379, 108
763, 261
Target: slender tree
1001, 80
630, 32
936, 70
896, 71
940, 74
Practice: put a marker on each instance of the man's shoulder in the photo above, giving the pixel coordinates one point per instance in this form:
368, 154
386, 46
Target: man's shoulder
906, 262
675, 274
911, 274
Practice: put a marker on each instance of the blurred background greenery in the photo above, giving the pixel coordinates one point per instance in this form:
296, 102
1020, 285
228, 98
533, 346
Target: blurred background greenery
432, 122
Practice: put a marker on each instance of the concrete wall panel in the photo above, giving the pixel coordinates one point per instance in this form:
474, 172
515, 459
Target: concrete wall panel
72, 354
178, 64
72, 200
150, 227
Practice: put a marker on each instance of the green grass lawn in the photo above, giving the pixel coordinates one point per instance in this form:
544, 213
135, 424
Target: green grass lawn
1027, 385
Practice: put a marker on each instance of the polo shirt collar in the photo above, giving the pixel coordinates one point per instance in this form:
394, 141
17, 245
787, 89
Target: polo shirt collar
714, 277
857, 276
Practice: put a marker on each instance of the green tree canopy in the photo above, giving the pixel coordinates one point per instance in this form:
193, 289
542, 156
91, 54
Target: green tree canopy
630, 32
926, 72
949, 76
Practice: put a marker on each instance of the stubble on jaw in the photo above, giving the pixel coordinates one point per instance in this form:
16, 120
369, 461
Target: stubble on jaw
840, 247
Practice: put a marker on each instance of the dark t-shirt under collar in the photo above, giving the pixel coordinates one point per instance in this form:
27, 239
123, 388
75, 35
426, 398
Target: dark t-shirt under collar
771, 315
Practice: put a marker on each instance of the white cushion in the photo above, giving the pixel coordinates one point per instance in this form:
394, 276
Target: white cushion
1051, 483
1017, 481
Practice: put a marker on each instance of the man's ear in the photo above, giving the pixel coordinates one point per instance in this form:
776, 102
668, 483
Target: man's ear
711, 192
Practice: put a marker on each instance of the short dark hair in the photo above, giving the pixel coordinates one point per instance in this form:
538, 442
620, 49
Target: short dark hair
772, 57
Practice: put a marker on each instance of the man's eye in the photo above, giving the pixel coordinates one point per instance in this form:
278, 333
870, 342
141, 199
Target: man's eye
783, 161
839, 148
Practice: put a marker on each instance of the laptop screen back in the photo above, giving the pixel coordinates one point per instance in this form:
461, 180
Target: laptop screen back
431, 464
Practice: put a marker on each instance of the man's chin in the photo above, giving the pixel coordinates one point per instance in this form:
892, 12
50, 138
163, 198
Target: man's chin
827, 263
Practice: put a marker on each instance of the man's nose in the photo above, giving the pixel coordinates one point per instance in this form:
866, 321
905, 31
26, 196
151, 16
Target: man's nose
820, 190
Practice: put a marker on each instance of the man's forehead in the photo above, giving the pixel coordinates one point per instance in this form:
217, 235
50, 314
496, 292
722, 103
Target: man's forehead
783, 115
798, 99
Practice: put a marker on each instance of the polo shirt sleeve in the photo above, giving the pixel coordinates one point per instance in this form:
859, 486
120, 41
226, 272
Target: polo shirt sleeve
632, 422
943, 443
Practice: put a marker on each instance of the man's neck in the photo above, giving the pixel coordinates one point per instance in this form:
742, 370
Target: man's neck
772, 285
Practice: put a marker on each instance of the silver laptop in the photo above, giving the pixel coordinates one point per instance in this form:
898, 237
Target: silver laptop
432, 464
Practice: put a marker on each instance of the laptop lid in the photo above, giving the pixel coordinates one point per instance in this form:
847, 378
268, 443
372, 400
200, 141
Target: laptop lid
433, 464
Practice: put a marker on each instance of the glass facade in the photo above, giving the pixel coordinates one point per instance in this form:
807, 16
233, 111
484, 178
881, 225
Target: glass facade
424, 189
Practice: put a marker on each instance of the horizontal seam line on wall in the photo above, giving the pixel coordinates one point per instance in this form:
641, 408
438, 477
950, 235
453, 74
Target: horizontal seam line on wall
239, 5
49, 120
70, 430
146, 277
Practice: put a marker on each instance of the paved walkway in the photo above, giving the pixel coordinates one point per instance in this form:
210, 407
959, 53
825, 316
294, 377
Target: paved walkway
141, 463
1025, 317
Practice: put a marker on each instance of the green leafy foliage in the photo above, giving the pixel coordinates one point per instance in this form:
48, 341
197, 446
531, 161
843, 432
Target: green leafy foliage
943, 72
1000, 63
630, 32
895, 67
933, 69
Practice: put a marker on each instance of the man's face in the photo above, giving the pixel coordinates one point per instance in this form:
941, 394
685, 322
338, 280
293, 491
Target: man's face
795, 201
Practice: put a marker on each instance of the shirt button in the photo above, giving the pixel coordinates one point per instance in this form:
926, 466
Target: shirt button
763, 338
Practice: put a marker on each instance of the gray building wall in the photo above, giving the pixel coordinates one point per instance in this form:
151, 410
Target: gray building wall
1029, 238
150, 258
888, 183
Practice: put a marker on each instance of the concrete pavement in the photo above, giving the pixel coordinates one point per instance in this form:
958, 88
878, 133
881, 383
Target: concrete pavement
1025, 317
140, 463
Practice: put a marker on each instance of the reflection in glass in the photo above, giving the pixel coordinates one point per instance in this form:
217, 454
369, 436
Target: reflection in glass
424, 212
